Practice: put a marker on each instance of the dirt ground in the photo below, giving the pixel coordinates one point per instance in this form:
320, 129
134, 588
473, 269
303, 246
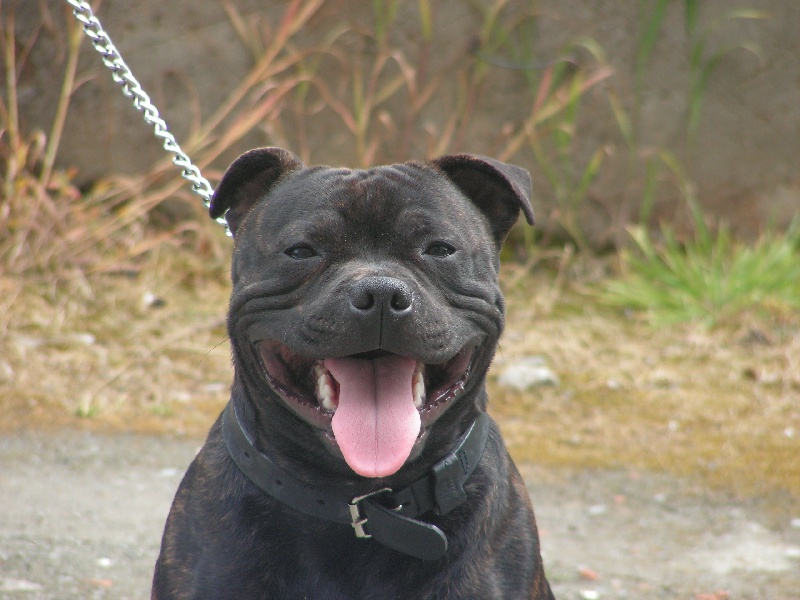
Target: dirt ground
662, 464
81, 516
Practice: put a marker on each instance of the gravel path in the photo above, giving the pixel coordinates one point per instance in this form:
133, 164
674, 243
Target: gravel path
81, 517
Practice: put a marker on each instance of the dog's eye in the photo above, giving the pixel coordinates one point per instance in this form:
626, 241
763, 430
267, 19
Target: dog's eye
300, 251
440, 249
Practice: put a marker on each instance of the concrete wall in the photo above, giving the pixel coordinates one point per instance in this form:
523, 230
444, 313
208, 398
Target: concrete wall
745, 160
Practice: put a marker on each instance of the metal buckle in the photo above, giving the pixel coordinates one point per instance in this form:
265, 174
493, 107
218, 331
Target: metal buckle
359, 520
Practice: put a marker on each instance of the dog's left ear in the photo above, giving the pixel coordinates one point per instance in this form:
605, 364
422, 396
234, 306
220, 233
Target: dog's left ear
247, 181
498, 189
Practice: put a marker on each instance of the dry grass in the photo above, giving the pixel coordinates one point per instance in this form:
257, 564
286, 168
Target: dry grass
144, 352
722, 404
98, 353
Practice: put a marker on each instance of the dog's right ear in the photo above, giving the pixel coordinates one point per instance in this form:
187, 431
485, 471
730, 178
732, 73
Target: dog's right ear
246, 182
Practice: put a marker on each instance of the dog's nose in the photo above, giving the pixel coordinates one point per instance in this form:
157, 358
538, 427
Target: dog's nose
386, 293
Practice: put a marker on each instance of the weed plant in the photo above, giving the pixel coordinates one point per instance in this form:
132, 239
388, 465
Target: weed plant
382, 102
702, 60
708, 277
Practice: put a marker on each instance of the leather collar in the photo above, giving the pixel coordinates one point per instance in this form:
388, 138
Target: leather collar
385, 515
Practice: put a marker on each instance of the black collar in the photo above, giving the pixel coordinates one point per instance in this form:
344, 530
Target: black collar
384, 515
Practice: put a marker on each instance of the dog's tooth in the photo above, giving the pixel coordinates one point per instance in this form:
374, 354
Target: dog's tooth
319, 370
324, 388
327, 399
418, 387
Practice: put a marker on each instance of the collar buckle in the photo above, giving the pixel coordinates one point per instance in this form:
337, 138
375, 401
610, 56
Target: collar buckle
357, 516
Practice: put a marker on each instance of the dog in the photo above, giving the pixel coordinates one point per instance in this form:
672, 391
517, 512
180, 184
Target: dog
355, 458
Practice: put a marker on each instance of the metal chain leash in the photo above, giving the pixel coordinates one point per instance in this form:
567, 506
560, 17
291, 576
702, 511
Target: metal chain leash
141, 101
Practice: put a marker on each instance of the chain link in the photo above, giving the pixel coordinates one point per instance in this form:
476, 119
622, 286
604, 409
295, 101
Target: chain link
141, 101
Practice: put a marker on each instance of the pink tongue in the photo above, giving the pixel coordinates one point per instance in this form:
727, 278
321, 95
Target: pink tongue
376, 422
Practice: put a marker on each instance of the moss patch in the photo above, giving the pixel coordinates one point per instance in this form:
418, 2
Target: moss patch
721, 405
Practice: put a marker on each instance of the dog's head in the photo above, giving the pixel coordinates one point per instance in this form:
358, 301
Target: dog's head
365, 307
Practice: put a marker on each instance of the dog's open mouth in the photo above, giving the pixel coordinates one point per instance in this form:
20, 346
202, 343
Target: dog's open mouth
374, 405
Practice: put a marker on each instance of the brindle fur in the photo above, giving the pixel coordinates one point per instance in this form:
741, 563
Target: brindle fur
225, 538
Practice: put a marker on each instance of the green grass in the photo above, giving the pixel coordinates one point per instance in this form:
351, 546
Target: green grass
709, 277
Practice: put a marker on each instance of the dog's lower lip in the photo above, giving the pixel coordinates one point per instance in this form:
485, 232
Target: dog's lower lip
300, 382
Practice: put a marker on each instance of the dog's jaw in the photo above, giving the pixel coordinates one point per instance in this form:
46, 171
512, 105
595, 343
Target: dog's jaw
313, 391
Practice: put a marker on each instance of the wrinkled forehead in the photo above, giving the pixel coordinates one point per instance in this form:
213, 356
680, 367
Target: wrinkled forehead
379, 195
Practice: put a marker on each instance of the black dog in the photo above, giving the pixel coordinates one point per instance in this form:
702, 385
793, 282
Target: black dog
355, 459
